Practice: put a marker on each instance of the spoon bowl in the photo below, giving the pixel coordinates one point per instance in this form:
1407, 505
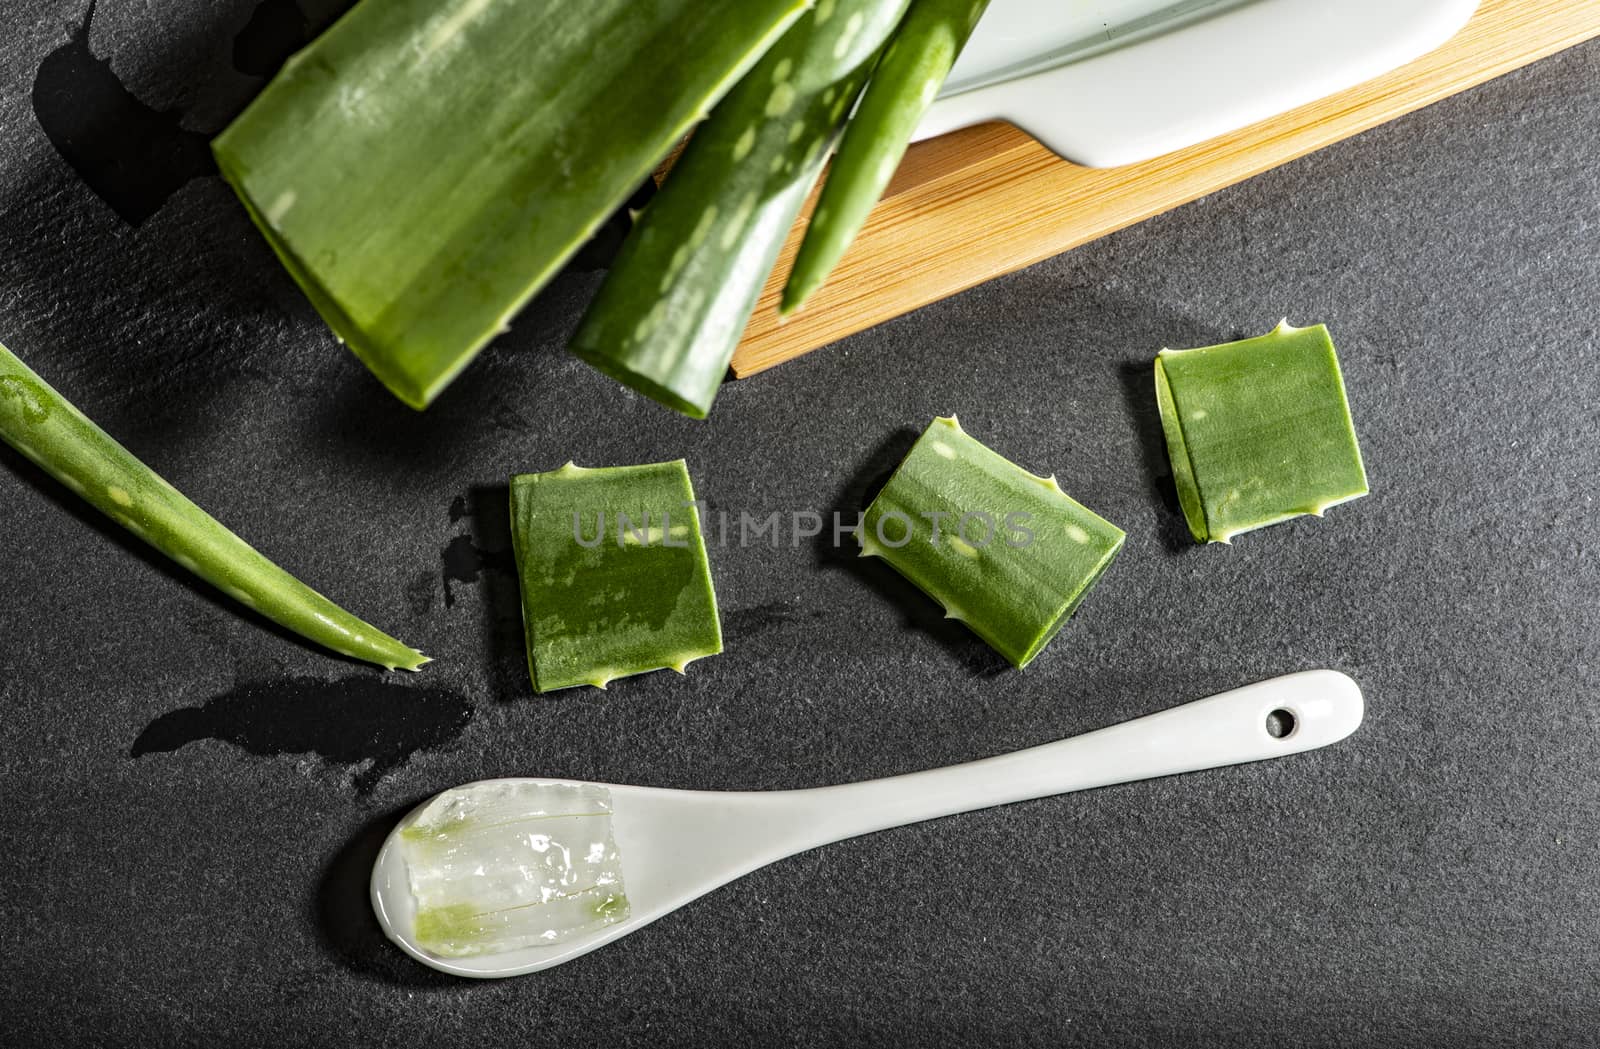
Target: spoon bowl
677, 845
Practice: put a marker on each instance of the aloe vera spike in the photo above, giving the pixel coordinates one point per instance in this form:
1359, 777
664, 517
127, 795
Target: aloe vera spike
42, 425
1005, 551
424, 167
904, 84
680, 293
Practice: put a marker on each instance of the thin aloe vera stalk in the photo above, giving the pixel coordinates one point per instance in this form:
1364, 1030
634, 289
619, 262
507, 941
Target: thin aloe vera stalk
1258, 431
1006, 552
680, 293
613, 572
903, 86
42, 425
425, 166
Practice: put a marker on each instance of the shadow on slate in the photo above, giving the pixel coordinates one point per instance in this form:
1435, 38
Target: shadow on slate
482, 556
352, 721
132, 156
343, 912
1139, 390
918, 609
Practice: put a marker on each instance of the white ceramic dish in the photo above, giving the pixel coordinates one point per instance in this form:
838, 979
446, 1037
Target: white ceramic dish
1111, 82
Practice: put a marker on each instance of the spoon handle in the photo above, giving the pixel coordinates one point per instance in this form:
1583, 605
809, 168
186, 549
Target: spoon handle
1270, 719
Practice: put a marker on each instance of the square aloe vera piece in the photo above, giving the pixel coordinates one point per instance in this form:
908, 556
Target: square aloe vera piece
1004, 551
1258, 431
613, 571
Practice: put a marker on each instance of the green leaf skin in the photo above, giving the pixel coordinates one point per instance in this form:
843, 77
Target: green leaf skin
681, 292
1258, 431
1017, 590
426, 166
40, 423
638, 598
903, 86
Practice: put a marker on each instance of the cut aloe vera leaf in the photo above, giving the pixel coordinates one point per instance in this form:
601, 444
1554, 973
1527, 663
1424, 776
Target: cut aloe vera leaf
614, 574
903, 85
509, 864
680, 293
425, 166
1004, 551
1258, 431
42, 425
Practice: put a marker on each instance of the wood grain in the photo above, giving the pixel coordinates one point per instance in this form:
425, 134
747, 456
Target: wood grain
989, 200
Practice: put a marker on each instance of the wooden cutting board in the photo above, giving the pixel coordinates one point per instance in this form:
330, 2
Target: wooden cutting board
989, 200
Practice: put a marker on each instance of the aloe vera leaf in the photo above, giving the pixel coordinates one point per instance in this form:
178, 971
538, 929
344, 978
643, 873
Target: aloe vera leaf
1004, 551
42, 425
425, 166
1258, 431
613, 571
904, 84
680, 293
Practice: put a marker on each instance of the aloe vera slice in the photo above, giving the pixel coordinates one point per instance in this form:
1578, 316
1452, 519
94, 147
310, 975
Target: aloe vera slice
614, 574
42, 425
903, 86
1258, 431
1004, 551
425, 166
682, 290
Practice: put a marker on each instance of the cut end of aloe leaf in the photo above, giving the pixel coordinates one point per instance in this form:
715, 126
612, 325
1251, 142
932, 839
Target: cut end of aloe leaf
695, 403
416, 231
1002, 550
1258, 431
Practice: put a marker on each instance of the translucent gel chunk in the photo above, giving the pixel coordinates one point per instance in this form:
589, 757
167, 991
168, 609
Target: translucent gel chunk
499, 866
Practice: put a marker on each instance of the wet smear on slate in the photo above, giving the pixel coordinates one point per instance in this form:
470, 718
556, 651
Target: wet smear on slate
465, 562
132, 156
354, 721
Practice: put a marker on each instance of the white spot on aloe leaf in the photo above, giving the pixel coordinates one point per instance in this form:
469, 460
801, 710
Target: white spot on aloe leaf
281, 207
1197, 415
119, 496
962, 547
825, 10
1077, 534
746, 143
780, 101
736, 225
796, 132
781, 71
944, 450
702, 229
447, 28
244, 598
847, 39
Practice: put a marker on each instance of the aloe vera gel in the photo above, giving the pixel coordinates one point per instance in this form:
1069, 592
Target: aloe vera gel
1003, 550
504, 865
1258, 431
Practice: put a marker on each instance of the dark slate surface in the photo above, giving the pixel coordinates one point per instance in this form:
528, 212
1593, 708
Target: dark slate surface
191, 800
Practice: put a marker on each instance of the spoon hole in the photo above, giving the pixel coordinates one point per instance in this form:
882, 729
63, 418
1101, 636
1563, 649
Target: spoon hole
1281, 723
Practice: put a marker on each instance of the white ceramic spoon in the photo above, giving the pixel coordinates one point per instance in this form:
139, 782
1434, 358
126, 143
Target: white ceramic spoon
677, 845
